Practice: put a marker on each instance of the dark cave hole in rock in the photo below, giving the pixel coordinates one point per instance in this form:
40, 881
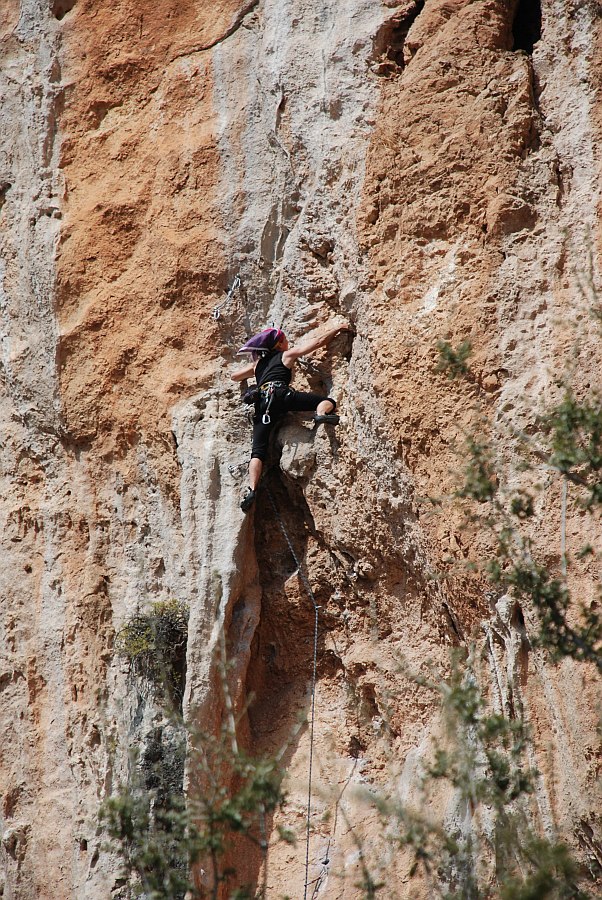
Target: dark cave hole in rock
526, 27
390, 40
4, 188
60, 8
518, 619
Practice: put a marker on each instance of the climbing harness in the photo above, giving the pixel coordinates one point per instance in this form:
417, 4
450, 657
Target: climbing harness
217, 311
307, 585
267, 390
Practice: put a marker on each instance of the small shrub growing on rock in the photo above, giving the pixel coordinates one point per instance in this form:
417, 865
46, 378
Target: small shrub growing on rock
494, 852
452, 360
155, 643
160, 830
156, 844
567, 439
159, 834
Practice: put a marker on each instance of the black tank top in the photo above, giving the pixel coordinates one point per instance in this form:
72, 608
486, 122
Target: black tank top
271, 368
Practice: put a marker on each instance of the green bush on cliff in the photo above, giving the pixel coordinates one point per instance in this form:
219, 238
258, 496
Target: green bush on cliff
452, 360
157, 843
493, 852
155, 643
158, 832
498, 852
568, 441
159, 836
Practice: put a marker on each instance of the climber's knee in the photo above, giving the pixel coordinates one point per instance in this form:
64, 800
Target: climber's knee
326, 406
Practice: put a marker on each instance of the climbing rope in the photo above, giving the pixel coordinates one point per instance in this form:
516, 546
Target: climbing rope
563, 527
217, 310
313, 679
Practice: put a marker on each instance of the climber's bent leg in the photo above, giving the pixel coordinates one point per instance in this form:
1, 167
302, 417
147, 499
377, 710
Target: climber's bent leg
297, 401
261, 439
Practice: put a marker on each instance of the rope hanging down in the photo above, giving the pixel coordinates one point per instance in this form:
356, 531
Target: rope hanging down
313, 679
217, 310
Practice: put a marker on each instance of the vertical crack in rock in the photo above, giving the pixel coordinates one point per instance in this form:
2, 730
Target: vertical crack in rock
322, 133
220, 565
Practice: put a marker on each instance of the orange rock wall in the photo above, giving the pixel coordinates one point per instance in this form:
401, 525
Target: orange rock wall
402, 165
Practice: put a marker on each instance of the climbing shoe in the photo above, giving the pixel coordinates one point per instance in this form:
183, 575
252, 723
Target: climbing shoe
248, 500
329, 419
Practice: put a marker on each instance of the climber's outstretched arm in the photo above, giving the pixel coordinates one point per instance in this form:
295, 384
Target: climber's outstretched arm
293, 353
241, 374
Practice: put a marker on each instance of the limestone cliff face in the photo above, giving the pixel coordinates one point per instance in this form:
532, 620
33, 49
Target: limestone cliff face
425, 169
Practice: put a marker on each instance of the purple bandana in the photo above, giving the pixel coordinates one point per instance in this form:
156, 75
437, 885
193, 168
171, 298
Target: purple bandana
265, 340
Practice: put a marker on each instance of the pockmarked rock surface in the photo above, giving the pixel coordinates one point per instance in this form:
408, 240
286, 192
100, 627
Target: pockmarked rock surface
426, 170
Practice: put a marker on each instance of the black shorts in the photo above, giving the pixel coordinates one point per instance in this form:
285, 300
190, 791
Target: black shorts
284, 400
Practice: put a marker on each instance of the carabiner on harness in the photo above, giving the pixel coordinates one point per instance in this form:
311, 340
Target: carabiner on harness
268, 389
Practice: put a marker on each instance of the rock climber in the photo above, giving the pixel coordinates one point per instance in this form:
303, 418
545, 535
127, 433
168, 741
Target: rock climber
272, 365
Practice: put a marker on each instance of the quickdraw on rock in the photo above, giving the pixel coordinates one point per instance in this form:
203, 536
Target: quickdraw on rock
217, 311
